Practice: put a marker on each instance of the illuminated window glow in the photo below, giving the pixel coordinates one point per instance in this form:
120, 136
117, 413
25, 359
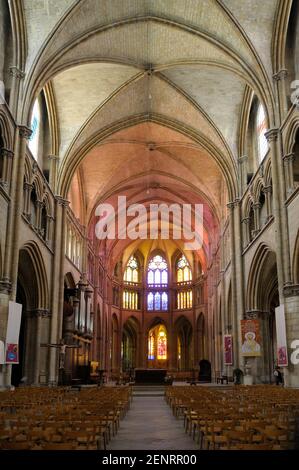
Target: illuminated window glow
157, 271
184, 272
132, 270
261, 128
162, 345
130, 300
157, 276
35, 128
184, 299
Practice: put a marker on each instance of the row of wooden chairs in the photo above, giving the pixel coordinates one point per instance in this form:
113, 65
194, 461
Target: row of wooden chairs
239, 417
59, 418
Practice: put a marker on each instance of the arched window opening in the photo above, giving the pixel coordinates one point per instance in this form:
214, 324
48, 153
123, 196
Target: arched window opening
183, 271
40, 141
261, 129
132, 271
44, 223
157, 346
35, 128
33, 207
157, 273
251, 225
157, 280
151, 346
263, 216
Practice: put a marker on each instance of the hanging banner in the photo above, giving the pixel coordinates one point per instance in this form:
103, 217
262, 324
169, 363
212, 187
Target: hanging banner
251, 340
281, 337
228, 350
12, 333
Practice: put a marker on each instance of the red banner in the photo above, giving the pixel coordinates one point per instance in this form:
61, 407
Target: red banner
12, 354
228, 350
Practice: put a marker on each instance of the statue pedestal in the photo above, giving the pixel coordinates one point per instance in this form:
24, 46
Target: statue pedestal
248, 380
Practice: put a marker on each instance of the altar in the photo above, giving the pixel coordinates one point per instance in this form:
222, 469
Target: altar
150, 376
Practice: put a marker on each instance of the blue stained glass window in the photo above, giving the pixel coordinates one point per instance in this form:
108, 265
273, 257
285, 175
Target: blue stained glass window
164, 277
157, 274
164, 301
150, 277
157, 301
150, 301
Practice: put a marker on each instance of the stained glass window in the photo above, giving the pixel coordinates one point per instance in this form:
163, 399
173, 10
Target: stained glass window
35, 128
132, 270
151, 346
184, 299
150, 301
162, 344
130, 300
164, 301
157, 276
261, 128
184, 272
157, 301
157, 271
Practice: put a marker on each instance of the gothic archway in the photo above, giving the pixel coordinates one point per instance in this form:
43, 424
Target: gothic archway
184, 334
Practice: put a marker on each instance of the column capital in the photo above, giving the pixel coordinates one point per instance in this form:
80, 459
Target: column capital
5, 285
7, 153
256, 205
280, 75
289, 157
245, 220
25, 132
252, 314
231, 205
291, 290
41, 313
61, 201
272, 134
267, 189
53, 157
242, 159
28, 185
14, 71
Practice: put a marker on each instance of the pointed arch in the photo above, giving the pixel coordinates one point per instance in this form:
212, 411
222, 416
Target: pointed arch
262, 274
30, 252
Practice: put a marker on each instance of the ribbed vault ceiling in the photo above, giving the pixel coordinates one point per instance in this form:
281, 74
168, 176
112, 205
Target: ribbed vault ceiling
149, 92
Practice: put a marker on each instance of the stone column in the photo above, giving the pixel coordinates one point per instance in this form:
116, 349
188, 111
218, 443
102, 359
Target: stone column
256, 211
54, 160
5, 177
237, 284
272, 137
291, 299
243, 172
288, 161
17, 75
280, 79
57, 284
268, 192
27, 190
246, 236
38, 314
39, 206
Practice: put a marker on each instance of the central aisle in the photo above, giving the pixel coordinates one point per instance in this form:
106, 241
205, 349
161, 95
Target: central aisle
150, 425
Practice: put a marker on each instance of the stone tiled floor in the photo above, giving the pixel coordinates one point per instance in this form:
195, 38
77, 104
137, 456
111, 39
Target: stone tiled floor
149, 424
